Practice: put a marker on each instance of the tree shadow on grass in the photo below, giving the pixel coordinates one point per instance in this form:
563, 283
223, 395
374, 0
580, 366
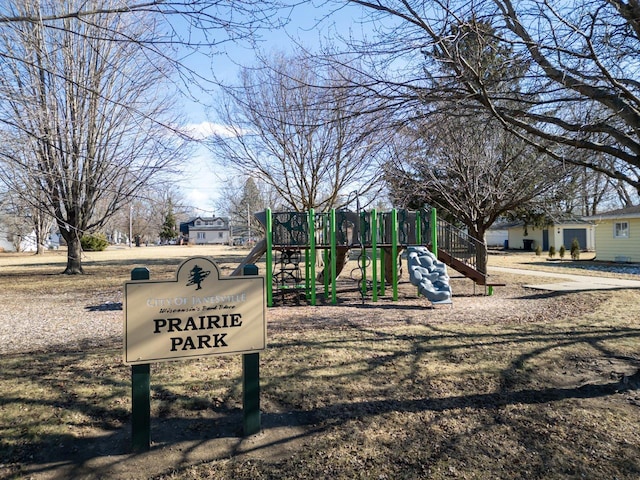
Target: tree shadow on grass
104, 446
104, 307
222, 436
546, 294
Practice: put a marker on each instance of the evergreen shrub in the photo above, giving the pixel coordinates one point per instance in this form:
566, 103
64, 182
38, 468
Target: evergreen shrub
94, 242
575, 249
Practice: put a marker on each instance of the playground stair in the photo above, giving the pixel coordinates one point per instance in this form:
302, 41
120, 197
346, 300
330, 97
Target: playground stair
457, 249
461, 267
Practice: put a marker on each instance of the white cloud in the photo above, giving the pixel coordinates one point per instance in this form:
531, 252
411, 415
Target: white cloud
203, 130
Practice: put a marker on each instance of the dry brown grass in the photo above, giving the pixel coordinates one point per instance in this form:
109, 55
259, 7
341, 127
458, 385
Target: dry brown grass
518, 385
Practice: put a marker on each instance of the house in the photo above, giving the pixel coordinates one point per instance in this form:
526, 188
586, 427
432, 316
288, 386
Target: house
13, 242
206, 230
563, 231
618, 235
496, 235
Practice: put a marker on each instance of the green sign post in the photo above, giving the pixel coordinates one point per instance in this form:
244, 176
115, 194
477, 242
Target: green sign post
140, 392
197, 314
251, 382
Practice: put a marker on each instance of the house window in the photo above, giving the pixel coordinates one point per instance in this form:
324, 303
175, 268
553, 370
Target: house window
621, 230
198, 222
220, 235
201, 236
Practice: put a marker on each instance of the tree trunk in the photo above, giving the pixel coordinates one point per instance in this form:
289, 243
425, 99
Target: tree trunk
481, 251
388, 264
482, 259
341, 261
74, 254
39, 230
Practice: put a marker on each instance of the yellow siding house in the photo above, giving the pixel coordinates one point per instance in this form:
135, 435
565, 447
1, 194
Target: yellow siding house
618, 235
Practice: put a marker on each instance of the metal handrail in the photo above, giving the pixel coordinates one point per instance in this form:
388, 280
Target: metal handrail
458, 243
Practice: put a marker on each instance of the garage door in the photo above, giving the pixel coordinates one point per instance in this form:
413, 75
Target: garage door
570, 233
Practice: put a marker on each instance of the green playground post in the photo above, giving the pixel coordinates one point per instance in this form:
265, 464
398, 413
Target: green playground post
334, 251
418, 232
326, 259
312, 254
269, 257
383, 259
363, 259
374, 254
307, 271
325, 254
394, 253
434, 232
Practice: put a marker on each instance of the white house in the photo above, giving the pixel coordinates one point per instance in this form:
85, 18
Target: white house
618, 235
9, 239
562, 232
496, 235
206, 230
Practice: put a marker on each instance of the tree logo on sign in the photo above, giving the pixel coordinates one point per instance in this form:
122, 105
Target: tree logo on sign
197, 275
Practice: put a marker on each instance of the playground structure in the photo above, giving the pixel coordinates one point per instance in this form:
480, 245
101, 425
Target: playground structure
295, 242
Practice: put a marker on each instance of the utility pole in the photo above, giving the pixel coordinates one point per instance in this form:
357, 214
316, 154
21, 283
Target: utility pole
248, 222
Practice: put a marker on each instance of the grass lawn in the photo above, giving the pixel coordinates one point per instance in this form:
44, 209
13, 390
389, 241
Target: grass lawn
519, 385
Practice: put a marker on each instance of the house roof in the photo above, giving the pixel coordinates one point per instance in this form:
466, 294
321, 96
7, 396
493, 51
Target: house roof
557, 220
568, 219
628, 212
192, 220
506, 225
191, 224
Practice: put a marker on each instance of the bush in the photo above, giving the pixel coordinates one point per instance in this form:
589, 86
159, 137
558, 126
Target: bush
552, 251
94, 243
575, 249
538, 250
562, 251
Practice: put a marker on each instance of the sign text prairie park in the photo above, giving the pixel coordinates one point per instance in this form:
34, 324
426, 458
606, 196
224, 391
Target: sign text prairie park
203, 322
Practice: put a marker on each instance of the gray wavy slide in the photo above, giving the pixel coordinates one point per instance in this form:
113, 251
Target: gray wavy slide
428, 274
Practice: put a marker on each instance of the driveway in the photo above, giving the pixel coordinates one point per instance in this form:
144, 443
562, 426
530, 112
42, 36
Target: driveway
572, 282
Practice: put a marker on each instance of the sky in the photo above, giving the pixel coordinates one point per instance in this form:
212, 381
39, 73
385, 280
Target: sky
203, 176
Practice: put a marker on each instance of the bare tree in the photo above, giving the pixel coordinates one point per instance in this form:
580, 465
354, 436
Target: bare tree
576, 56
17, 204
472, 168
190, 35
91, 115
240, 200
145, 213
20, 222
291, 125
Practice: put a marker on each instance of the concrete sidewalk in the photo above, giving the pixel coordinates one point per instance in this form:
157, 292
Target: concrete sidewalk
574, 283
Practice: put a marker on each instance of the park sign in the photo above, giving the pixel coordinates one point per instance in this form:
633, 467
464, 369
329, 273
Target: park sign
197, 314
